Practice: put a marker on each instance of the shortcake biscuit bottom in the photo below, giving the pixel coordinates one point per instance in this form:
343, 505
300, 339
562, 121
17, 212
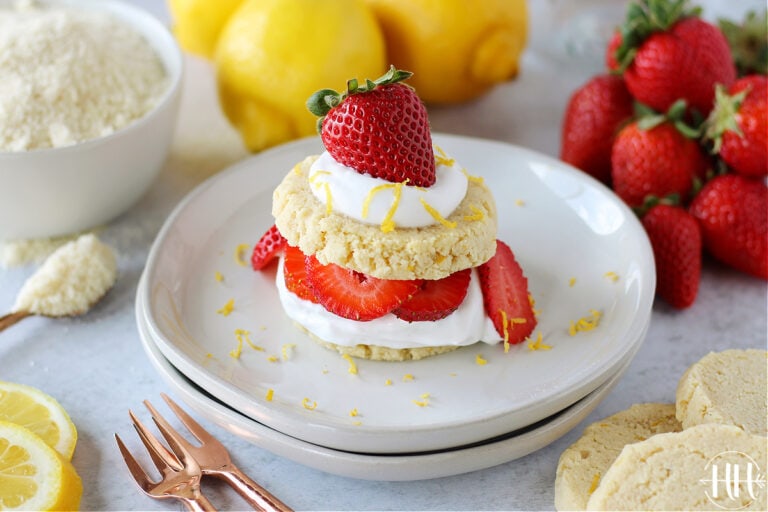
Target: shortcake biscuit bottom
377, 353
431, 252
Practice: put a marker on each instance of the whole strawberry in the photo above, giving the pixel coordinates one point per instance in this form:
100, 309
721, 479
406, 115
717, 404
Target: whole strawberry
733, 214
738, 126
658, 161
380, 128
676, 241
668, 53
594, 114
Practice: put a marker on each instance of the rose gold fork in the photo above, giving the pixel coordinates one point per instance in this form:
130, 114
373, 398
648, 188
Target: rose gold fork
180, 474
214, 459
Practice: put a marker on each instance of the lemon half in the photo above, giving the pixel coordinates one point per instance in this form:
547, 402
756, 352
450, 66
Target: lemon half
33, 476
41, 414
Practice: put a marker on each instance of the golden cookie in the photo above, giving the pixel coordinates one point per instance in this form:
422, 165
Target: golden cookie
430, 252
688, 470
728, 387
583, 464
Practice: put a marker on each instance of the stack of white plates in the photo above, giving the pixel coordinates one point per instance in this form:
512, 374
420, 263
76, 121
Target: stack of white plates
582, 250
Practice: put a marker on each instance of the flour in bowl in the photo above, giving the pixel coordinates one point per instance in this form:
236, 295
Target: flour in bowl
69, 74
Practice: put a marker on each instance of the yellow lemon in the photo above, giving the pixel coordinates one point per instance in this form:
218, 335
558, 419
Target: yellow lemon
456, 49
33, 476
41, 414
197, 23
273, 54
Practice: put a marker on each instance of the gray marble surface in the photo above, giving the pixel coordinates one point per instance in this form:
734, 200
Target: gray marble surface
95, 367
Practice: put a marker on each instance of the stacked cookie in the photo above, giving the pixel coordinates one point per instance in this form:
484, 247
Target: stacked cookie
681, 456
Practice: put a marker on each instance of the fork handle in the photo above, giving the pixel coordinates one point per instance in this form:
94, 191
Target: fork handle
199, 504
257, 496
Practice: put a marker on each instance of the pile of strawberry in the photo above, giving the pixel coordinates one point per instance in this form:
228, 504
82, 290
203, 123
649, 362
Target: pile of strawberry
356, 296
677, 127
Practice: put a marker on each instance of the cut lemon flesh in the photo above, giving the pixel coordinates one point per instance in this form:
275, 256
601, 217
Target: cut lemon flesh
33, 476
40, 413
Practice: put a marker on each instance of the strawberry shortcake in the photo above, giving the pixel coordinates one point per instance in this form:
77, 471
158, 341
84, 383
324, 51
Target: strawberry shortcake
387, 246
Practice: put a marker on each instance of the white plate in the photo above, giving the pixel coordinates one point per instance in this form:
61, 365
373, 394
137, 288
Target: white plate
561, 224
370, 466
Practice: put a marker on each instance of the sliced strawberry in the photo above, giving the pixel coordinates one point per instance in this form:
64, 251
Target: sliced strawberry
267, 248
505, 295
295, 274
354, 295
436, 299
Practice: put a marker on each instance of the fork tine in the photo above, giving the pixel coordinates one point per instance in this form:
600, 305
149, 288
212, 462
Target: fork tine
141, 477
166, 429
194, 427
159, 453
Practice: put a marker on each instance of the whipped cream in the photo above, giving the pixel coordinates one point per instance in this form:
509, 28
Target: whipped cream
352, 193
465, 326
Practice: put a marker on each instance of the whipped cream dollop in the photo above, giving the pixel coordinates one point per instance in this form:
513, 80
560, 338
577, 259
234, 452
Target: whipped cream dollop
375, 201
465, 326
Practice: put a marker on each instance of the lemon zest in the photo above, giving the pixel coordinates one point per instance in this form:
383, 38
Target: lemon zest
240, 251
308, 404
227, 308
572, 282
328, 199
478, 215
505, 328
387, 224
218, 276
352, 366
538, 343
375, 190
273, 359
613, 276
354, 412
357, 423
313, 177
286, 350
388, 382
476, 179
586, 323
480, 360
270, 394
421, 403
436, 215
407, 377
595, 482
441, 158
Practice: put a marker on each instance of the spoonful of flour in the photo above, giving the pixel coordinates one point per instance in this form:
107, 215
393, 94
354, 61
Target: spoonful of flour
74, 278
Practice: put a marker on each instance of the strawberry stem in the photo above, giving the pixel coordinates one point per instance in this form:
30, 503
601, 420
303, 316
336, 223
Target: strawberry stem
322, 101
645, 17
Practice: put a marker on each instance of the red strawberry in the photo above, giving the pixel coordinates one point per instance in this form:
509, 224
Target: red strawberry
267, 248
435, 299
738, 126
610, 54
658, 161
669, 53
676, 241
733, 215
594, 114
295, 274
354, 295
380, 128
505, 295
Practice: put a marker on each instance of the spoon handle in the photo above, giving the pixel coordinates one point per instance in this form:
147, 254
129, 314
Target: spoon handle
11, 318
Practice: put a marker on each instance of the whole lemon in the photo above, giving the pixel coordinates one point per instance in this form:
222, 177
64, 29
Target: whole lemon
197, 23
273, 54
456, 49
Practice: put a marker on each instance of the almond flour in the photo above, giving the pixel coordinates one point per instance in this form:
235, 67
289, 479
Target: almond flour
68, 75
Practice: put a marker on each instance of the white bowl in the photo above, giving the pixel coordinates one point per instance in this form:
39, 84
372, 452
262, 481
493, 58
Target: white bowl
58, 191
